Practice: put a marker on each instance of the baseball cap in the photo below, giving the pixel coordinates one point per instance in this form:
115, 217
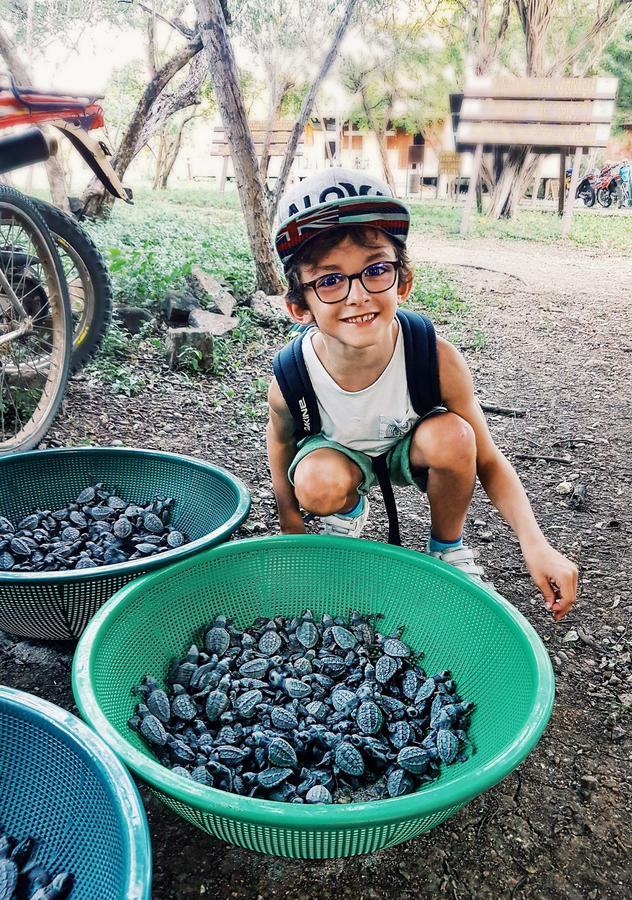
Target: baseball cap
332, 198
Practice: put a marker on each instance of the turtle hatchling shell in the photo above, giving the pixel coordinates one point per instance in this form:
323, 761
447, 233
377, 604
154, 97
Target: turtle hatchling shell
447, 745
307, 634
153, 523
349, 759
158, 704
152, 730
283, 719
318, 794
246, 705
393, 647
273, 777
183, 708
401, 734
399, 783
385, 668
369, 717
340, 698
281, 753
426, 691
413, 760
269, 642
217, 640
216, 704
343, 637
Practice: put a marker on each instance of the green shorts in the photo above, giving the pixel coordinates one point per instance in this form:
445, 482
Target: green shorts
397, 459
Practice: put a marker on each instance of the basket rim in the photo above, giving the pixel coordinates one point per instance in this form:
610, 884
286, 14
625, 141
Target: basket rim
149, 563
118, 779
431, 799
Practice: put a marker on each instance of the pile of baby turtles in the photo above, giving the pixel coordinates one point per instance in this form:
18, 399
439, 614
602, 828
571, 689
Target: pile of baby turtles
304, 711
23, 879
98, 528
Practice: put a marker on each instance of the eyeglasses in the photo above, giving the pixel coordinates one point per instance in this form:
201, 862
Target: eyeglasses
335, 287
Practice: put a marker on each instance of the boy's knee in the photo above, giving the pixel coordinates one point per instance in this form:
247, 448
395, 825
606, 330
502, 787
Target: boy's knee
447, 442
324, 486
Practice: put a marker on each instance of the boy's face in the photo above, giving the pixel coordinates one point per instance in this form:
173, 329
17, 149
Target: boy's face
363, 319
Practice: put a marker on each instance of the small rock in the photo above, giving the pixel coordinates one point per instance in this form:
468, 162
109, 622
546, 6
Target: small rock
132, 318
219, 298
588, 782
212, 322
578, 496
486, 536
268, 307
177, 307
193, 343
564, 487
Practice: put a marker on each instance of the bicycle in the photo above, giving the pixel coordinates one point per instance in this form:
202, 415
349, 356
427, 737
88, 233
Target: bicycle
36, 318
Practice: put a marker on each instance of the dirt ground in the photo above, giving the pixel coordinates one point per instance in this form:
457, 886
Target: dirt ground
548, 332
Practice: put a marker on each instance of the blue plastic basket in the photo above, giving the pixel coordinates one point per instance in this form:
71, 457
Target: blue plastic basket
61, 785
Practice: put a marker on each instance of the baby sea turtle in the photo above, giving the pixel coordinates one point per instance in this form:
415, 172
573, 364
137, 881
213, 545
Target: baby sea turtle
95, 529
259, 713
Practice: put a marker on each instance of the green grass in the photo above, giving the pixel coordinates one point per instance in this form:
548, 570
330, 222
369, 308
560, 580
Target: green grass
434, 293
439, 219
152, 246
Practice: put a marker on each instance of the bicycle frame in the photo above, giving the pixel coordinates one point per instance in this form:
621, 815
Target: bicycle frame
74, 117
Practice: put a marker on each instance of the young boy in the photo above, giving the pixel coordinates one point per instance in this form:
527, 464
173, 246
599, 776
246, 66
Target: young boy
342, 243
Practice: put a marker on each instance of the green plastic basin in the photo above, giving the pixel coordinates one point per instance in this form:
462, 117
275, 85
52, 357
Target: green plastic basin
210, 505
496, 658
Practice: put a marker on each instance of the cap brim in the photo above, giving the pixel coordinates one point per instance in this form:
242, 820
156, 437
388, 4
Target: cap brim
386, 213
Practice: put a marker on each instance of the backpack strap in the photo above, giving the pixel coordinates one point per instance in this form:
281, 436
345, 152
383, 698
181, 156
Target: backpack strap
420, 353
294, 382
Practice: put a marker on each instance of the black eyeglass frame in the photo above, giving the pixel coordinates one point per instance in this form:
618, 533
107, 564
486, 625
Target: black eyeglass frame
350, 278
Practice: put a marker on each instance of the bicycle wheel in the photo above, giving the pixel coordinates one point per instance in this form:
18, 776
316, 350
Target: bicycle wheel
35, 325
89, 283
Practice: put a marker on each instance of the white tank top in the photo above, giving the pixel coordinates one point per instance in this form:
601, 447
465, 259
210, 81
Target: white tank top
371, 420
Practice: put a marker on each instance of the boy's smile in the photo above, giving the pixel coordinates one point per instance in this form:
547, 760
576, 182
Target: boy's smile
363, 320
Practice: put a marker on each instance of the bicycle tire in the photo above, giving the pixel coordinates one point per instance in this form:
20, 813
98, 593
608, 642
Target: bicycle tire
91, 325
57, 369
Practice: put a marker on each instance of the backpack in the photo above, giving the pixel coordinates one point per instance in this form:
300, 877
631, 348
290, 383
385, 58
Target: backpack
422, 375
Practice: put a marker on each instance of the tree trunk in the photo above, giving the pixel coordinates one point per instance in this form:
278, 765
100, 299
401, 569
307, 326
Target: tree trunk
510, 187
380, 136
223, 70
21, 74
97, 202
170, 151
306, 109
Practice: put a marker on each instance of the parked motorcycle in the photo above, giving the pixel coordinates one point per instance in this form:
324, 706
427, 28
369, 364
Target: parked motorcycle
585, 190
606, 187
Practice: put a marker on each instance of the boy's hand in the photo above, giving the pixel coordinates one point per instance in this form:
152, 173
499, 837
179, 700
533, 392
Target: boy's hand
555, 575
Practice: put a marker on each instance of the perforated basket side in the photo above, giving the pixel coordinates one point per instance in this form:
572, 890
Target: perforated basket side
77, 801
306, 843
210, 505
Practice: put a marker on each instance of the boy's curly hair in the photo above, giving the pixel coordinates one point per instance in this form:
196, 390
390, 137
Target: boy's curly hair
314, 250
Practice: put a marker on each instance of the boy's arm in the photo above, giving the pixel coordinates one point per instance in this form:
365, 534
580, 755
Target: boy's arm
554, 575
281, 443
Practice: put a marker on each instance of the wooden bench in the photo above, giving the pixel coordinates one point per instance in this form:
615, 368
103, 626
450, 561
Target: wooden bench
548, 115
279, 138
